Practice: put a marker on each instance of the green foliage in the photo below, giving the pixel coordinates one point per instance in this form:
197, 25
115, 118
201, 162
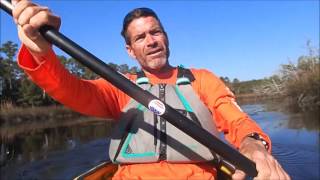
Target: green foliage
124, 68
31, 95
9, 72
247, 87
9, 49
77, 69
242, 87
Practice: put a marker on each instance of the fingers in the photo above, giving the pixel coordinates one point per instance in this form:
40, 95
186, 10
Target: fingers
29, 17
268, 167
19, 6
26, 12
239, 175
32, 13
262, 164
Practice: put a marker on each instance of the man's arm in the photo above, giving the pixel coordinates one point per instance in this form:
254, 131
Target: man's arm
91, 97
238, 127
229, 118
36, 57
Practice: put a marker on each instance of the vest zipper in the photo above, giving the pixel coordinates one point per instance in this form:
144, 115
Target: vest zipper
163, 134
155, 130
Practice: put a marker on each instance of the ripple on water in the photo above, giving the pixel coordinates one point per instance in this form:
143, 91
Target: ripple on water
300, 161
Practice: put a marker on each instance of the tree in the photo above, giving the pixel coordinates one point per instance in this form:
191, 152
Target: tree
235, 81
9, 72
29, 94
134, 70
124, 68
113, 66
225, 79
235, 86
77, 69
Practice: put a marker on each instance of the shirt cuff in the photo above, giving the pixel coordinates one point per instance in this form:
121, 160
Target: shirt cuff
31, 62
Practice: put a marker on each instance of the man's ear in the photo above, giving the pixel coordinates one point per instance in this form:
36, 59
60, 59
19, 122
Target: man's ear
130, 51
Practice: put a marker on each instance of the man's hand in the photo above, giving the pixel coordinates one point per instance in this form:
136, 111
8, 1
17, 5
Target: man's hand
267, 166
29, 17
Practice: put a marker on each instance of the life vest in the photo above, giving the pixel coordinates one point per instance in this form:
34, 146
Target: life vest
141, 136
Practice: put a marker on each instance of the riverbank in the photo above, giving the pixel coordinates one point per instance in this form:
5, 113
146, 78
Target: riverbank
288, 103
18, 120
254, 98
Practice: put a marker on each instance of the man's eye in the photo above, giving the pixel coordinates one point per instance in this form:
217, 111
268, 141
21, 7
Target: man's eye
157, 32
138, 38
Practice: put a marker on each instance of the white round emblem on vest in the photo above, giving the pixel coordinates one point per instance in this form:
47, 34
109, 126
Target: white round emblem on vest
156, 107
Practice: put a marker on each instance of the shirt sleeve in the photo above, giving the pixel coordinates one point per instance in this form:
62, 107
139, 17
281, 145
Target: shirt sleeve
229, 118
91, 97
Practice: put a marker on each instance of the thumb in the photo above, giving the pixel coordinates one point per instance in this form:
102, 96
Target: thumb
14, 2
238, 175
31, 32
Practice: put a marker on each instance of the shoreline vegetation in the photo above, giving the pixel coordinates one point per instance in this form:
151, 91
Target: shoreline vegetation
17, 120
298, 85
20, 100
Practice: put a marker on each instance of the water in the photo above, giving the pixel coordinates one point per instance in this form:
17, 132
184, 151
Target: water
64, 152
295, 139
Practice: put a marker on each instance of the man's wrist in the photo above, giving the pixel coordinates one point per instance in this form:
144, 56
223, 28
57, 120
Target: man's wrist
258, 137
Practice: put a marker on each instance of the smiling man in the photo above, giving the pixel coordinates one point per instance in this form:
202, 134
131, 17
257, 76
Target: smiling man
145, 145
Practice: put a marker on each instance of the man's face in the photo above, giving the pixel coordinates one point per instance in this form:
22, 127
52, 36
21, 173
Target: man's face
149, 44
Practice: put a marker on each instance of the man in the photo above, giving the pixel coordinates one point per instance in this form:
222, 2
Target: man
147, 42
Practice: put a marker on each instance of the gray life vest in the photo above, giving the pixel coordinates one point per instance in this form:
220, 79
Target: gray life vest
141, 136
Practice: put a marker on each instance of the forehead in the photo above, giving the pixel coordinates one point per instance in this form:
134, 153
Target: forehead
142, 24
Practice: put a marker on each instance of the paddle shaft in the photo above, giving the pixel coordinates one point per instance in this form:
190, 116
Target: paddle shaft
143, 97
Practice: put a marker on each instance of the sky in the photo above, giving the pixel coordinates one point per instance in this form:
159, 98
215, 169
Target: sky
238, 39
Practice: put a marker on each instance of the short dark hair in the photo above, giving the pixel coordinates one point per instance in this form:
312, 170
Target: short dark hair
135, 14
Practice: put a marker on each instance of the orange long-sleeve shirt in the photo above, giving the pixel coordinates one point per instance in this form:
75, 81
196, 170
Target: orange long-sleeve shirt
100, 98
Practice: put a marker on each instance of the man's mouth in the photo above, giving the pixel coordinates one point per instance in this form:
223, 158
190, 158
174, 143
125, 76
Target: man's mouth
154, 52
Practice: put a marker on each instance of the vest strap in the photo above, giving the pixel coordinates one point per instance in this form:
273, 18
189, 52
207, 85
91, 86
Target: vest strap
184, 74
182, 80
142, 80
183, 100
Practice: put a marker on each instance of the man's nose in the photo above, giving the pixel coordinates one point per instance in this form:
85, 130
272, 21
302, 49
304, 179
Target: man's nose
151, 41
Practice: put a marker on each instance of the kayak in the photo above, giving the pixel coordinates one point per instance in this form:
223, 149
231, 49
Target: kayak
104, 170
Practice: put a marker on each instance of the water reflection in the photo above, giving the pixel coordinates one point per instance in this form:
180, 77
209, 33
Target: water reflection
279, 113
38, 143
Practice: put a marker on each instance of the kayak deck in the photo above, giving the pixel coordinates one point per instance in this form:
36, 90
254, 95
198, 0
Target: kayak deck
104, 170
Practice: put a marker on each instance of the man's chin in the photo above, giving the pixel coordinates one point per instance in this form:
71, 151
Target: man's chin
157, 63
155, 67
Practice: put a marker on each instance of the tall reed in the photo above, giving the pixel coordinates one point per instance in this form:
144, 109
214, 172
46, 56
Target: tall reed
298, 83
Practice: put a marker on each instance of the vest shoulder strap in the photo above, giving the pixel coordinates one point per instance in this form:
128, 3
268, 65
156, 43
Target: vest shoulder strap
184, 76
142, 78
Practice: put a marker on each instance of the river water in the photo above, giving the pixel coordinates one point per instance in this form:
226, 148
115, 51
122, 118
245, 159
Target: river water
63, 152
